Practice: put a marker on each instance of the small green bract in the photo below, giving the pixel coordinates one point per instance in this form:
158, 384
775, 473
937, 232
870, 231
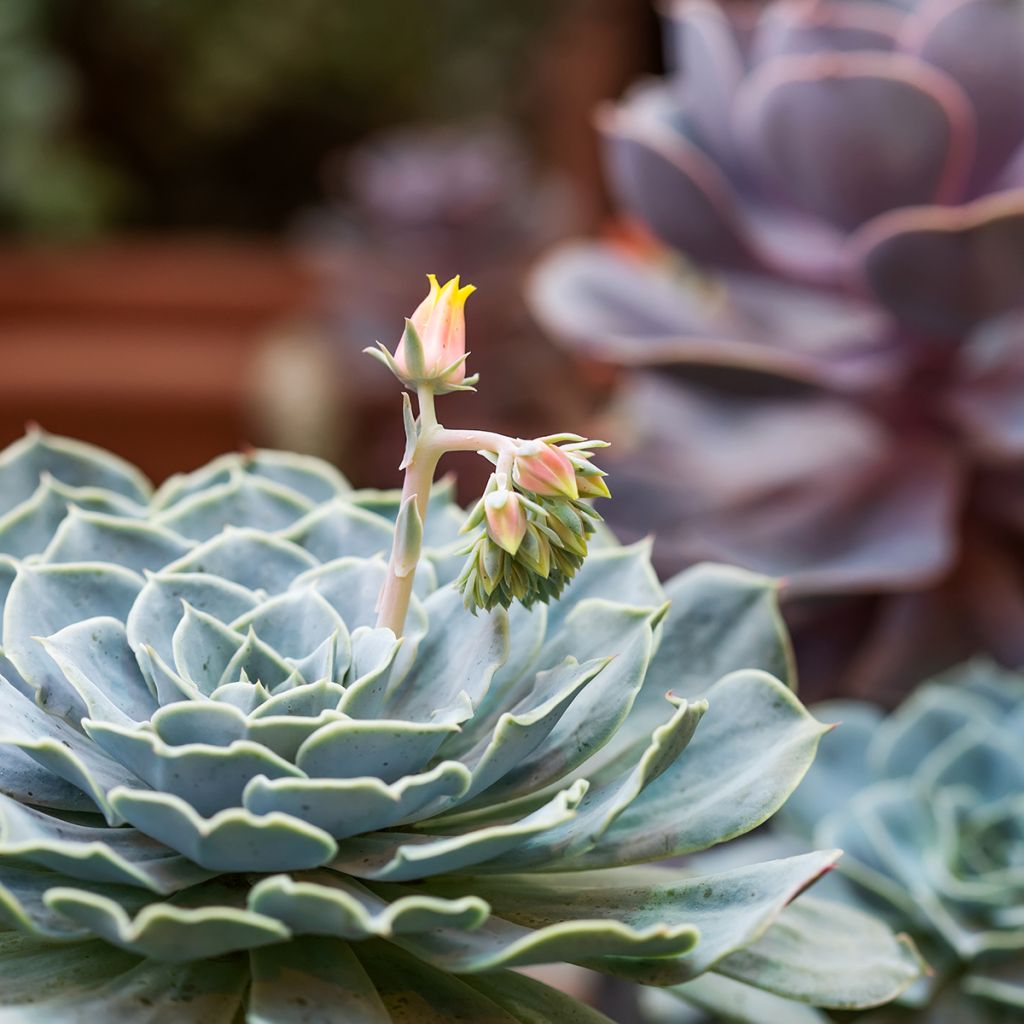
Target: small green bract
929, 806
228, 795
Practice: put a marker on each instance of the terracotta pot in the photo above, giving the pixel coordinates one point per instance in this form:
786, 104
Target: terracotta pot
148, 347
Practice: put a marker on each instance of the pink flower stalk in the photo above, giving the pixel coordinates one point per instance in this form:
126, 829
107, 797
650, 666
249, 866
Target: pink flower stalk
544, 469
506, 519
440, 322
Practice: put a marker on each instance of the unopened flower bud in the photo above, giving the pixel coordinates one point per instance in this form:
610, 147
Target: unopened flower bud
589, 479
506, 520
439, 324
544, 469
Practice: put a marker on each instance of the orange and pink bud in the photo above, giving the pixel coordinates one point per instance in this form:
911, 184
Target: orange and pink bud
544, 469
439, 323
506, 519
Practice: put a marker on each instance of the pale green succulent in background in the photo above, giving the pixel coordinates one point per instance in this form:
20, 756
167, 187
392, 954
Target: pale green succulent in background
928, 804
228, 795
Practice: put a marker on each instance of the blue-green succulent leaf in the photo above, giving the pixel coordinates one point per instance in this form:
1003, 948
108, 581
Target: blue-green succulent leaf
722, 619
210, 778
43, 600
514, 680
501, 943
36, 974
74, 463
374, 652
96, 660
623, 573
531, 1002
603, 803
248, 557
702, 799
312, 981
399, 857
170, 932
459, 658
307, 475
23, 906
415, 993
60, 749
258, 662
160, 606
596, 629
296, 623
30, 528
828, 955
244, 500
203, 992
723, 912
27, 781
95, 536
328, 903
166, 685
340, 528
202, 648
120, 856
518, 732
386, 748
348, 807
725, 1000
231, 841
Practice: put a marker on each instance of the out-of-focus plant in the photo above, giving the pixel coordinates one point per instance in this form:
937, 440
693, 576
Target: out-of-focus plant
182, 112
929, 806
254, 771
823, 309
47, 182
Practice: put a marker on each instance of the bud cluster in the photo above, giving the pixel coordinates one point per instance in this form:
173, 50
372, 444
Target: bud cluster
533, 530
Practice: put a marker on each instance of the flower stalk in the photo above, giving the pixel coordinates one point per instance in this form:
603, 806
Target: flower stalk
529, 531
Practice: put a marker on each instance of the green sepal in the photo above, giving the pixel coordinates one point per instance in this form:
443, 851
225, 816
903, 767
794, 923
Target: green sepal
408, 537
411, 431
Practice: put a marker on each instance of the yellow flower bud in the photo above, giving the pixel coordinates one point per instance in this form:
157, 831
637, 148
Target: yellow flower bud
440, 323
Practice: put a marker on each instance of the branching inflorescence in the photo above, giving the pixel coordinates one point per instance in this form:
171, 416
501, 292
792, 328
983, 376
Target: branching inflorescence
531, 527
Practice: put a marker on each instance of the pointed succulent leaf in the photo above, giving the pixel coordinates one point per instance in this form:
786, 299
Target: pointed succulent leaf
856, 960
725, 999
341, 527
160, 606
243, 501
96, 536
398, 857
248, 557
74, 463
697, 802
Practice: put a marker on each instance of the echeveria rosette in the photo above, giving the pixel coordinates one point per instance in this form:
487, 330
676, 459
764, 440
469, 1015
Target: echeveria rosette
928, 804
226, 793
825, 319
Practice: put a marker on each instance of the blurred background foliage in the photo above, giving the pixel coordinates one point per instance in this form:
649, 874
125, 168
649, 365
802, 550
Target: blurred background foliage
208, 209
186, 113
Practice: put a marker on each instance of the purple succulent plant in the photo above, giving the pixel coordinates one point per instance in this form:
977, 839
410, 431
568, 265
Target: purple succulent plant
828, 336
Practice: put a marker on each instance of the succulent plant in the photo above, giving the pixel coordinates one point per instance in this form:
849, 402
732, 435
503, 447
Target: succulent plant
228, 792
929, 805
823, 309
